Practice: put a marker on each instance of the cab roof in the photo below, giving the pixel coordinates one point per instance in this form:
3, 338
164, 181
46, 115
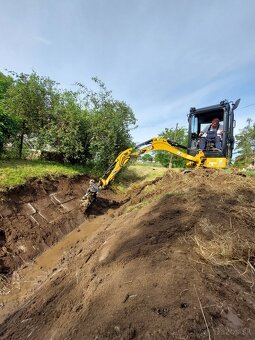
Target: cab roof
207, 114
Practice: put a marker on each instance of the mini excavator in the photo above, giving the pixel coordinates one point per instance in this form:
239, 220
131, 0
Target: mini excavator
210, 157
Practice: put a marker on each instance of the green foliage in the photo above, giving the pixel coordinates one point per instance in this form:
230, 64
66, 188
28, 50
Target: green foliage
8, 125
30, 98
110, 131
163, 157
110, 125
147, 158
180, 136
5, 83
68, 130
79, 126
8, 128
245, 145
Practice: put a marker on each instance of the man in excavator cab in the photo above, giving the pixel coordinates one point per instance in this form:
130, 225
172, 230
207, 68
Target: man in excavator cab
220, 118
211, 136
209, 147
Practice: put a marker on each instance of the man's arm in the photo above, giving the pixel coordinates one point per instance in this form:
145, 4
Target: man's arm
204, 131
220, 130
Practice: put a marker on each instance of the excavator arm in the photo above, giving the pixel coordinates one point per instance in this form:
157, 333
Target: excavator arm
154, 144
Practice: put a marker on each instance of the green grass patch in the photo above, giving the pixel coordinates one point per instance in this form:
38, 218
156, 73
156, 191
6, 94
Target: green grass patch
17, 172
250, 173
136, 174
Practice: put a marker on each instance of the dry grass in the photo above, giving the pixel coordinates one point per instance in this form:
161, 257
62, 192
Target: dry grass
218, 251
228, 248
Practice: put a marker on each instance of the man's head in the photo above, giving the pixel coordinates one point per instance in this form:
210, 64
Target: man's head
215, 122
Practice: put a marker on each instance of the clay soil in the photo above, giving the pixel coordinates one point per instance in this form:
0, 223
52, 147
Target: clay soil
172, 259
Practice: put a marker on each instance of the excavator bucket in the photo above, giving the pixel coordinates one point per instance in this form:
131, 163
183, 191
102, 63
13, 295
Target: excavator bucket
87, 200
90, 195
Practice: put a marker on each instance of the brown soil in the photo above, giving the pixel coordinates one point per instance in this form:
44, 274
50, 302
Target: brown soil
175, 260
33, 217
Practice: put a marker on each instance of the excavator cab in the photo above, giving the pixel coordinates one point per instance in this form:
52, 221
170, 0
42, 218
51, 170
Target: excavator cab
200, 118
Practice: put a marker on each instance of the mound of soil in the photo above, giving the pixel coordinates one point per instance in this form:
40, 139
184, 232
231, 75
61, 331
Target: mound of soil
175, 261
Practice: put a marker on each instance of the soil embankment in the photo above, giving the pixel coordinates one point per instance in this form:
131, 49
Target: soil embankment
175, 261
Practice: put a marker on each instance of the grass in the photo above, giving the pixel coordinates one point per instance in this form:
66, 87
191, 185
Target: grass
137, 173
228, 248
17, 172
250, 173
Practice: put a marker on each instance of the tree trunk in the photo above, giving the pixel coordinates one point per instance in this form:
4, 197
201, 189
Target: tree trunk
21, 139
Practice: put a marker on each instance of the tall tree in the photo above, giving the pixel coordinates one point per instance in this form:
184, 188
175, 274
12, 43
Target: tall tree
31, 99
245, 144
68, 130
111, 122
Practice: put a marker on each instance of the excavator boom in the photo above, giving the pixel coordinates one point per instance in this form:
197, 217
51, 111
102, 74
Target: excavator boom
154, 144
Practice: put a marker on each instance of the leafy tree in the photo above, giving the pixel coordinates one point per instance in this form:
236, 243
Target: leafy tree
245, 144
5, 83
163, 157
111, 121
147, 158
180, 136
8, 128
81, 126
31, 99
68, 130
110, 132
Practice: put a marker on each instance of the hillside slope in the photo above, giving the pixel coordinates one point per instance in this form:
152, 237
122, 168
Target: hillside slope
174, 260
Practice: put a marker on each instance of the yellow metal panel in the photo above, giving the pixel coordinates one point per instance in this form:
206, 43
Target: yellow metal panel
216, 163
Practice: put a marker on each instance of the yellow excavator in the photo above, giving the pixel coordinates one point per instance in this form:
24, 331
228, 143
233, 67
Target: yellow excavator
209, 157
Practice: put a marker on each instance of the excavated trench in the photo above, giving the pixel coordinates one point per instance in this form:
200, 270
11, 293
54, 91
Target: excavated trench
35, 216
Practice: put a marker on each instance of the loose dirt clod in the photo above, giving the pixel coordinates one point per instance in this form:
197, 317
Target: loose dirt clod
175, 260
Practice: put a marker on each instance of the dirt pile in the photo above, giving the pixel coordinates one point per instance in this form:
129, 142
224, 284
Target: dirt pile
176, 261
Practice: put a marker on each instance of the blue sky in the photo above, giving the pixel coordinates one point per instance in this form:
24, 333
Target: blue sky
160, 56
